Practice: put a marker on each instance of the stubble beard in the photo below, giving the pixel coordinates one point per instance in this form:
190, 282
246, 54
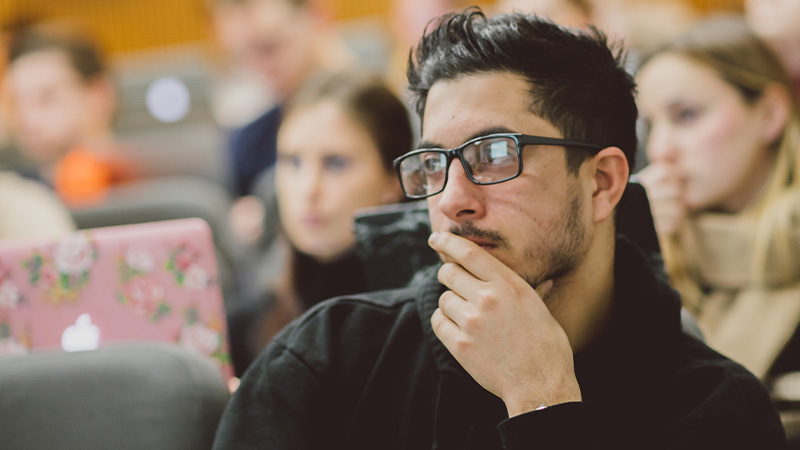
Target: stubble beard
562, 247
556, 255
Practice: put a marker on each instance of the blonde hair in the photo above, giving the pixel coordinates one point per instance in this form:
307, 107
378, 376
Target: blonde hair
728, 46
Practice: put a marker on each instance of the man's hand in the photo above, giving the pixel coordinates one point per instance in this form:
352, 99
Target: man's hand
499, 330
665, 191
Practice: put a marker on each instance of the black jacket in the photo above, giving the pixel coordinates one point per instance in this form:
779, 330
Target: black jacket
367, 372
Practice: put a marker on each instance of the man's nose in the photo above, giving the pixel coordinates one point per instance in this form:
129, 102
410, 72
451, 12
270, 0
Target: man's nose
461, 199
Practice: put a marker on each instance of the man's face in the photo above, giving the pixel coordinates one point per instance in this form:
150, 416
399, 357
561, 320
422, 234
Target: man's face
537, 223
50, 104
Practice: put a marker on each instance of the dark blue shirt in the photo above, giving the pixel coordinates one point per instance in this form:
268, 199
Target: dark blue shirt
254, 149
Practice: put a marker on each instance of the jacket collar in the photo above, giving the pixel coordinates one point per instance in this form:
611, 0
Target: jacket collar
645, 324
429, 291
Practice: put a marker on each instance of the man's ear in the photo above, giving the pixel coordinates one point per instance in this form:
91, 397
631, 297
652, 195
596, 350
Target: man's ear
610, 176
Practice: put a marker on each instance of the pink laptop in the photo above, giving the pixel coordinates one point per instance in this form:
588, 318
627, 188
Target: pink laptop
154, 281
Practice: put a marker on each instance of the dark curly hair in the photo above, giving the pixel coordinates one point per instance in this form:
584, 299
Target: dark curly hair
577, 82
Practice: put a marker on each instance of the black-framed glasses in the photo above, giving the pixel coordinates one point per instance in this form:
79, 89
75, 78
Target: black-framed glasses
491, 159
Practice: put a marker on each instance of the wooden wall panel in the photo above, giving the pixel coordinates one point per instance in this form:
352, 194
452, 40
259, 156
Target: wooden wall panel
121, 25
708, 6
131, 25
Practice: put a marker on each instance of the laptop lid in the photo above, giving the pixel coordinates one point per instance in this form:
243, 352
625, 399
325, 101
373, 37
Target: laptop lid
153, 281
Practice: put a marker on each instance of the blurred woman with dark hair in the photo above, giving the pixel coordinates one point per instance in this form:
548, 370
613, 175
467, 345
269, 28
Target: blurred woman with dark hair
336, 145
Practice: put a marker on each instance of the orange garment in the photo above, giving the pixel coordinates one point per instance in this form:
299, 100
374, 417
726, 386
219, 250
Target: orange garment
82, 177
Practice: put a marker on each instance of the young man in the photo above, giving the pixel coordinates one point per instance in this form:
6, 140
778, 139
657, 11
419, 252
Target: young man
64, 102
542, 328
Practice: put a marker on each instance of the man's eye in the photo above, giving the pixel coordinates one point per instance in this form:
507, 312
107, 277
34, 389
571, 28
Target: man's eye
432, 163
336, 163
497, 150
492, 152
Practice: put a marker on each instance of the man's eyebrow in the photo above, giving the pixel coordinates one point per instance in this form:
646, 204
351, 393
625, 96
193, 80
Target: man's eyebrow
482, 132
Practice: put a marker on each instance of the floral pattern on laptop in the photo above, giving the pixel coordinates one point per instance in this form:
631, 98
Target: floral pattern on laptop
205, 338
10, 296
184, 264
137, 288
11, 344
62, 271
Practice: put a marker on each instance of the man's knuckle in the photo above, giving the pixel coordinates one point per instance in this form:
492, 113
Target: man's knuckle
447, 273
487, 299
444, 299
471, 320
436, 320
462, 343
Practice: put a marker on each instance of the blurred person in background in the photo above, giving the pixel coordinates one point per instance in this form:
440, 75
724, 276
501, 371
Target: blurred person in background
637, 26
569, 13
643, 26
778, 23
724, 186
63, 104
407, 21
5, 35
279, 44
282, 43
29, 209
336, 145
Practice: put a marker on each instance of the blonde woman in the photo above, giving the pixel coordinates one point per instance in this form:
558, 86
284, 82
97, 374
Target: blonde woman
724, 186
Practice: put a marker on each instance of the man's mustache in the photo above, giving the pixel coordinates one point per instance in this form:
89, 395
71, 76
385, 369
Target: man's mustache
469, 230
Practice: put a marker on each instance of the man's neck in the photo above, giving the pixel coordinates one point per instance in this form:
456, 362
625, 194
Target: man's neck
582, 301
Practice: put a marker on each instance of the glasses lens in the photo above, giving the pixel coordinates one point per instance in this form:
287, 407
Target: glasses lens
492, 160
423, 174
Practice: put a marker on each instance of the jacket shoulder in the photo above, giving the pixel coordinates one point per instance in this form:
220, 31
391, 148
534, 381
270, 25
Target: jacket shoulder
353, 329
712, 391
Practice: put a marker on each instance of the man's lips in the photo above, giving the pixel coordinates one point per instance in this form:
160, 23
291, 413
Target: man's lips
483, 243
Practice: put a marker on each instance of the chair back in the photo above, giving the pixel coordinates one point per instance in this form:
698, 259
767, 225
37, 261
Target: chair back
132, 396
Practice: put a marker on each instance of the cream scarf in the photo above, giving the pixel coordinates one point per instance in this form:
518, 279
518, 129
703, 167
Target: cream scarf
746, 322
